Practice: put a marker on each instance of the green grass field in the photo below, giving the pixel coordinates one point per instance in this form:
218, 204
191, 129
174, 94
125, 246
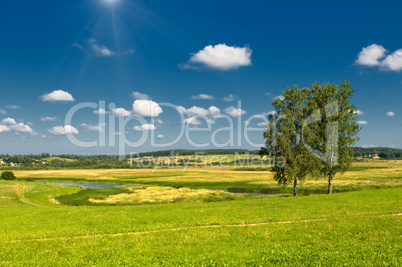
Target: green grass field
360, 225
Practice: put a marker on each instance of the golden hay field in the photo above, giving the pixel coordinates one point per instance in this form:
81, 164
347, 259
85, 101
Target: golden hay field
374, 174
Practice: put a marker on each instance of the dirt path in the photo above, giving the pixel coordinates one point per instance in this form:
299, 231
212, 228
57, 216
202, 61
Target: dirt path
174, 230
20, 192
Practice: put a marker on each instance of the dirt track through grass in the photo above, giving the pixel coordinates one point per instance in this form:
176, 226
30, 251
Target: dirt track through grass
175, 230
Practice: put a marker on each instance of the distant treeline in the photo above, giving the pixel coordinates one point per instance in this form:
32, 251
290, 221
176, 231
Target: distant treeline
184, 152
45, 160
382, 152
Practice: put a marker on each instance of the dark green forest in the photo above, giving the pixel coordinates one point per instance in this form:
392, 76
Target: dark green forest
47, 161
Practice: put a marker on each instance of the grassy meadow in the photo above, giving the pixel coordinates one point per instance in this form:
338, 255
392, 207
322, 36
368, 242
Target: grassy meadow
171, 217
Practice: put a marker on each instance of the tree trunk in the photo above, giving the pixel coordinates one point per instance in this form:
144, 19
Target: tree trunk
330, 183
295, 187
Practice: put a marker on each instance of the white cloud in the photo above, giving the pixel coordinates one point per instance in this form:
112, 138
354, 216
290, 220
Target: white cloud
77, 45
94, 128
4, 128
192, 121
211, 111
145, 127
159, 121
9, 121
262, 124
229, 98
393, 61
21, 128
268, 94
129, 52
202, 96
194, 111
160, 136
57, 95
62, 130
140, 96
48, 119
2, 111
280, 97
359, 112
234, 112
101, 50
371, 55
362, 122
221, 57
121, 112
390, 114
13, 107
366, 146
10, 124
147, 108
100, 111
214, 111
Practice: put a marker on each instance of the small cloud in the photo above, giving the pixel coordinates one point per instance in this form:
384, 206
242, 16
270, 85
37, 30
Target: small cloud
280, 97
44, 136
230, 98
139, 96
13, 107
393, 61
390, 114
371, 55
4, 128
362, 122
234, 112
62, 130
147, 108
192, 121
94, 128
367, 146
268, 94
21, 128
160, 136
121, 112
9, 121
145, 127
129, 52
159, 121
100, 111
220, 57
359, 112
101, 50
57, 96
262, 124
193, 111
202, 96
77, 46
48, 119
2, 111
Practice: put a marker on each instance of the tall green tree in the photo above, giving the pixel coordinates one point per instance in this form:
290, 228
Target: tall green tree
331, 129
284, 137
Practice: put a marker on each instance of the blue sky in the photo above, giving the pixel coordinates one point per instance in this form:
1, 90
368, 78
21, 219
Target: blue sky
57, 54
